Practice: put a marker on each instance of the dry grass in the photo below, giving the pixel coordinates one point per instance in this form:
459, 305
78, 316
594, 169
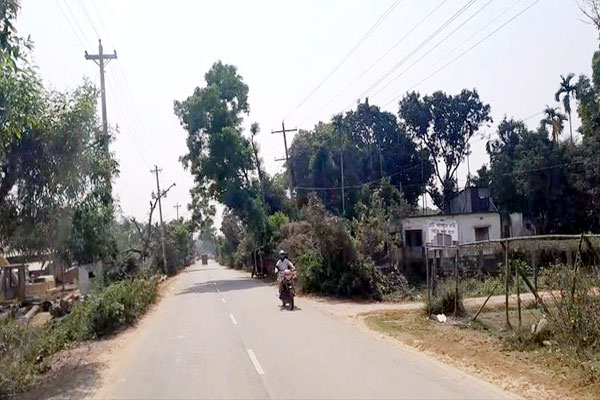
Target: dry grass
482, 349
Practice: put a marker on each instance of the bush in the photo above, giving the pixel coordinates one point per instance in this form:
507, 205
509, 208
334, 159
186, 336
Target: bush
327, 255
575, 317
23, 350
443, 301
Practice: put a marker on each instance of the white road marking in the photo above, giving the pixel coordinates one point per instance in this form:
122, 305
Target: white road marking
255, 362
233, 319
223, 300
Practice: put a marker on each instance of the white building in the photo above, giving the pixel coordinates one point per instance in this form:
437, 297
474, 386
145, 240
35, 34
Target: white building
473, 217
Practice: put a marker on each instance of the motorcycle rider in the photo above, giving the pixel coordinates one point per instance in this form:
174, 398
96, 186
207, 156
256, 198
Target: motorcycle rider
282, 265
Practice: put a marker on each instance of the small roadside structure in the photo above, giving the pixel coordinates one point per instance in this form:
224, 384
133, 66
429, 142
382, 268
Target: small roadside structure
473, 217
12, 281
89, 276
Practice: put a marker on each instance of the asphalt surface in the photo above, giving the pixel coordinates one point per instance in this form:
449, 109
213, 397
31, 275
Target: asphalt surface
220, 334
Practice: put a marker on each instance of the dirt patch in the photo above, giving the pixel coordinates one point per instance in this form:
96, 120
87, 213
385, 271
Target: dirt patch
538, 373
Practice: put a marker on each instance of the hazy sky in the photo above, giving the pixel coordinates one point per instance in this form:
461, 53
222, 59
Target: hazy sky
283, 49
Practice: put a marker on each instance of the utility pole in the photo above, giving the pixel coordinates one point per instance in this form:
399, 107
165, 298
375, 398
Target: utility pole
102, 60
176, 206
287, 158
162, 227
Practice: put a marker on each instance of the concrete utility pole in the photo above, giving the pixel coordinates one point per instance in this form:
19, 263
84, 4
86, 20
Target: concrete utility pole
287, 158
176, 206
102, 60
162, 227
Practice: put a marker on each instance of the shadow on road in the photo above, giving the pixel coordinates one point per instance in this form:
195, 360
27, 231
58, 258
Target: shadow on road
228, 285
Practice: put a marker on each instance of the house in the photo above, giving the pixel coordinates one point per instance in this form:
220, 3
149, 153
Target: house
473, 217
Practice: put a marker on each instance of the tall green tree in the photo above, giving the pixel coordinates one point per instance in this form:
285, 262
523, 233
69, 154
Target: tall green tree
554, 118
444, 124
567, 90
219, 157
373, 147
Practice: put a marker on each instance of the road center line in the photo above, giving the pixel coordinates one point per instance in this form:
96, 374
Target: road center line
233, 319
223, 300
255, 362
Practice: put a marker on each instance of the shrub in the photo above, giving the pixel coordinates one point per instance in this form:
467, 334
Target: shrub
575, 317
443, 301
23, 350
327, 255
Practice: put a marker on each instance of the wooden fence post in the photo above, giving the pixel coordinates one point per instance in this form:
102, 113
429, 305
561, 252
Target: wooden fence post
518, 296
507, 272
428, 278
456, 283
535, 268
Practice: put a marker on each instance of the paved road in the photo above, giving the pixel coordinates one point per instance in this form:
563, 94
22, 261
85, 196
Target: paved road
220, 334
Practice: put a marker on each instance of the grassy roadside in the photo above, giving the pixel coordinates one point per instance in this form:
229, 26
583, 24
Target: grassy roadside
24, 350
535, 372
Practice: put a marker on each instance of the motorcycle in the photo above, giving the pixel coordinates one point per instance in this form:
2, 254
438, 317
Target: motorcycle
287, 291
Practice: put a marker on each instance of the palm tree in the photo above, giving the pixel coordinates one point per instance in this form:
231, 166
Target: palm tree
568, 90
555, 119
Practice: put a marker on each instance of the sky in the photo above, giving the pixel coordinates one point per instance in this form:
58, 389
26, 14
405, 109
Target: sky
284, 50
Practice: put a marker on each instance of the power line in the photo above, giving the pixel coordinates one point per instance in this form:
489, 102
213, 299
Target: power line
76, 22
517, 172
70, 25
89, 18
122, 81
475, 34
347, 56
434, 47
470, 48
363, 73
416, 49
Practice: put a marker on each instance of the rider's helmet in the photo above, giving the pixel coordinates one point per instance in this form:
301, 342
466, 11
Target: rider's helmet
281, 253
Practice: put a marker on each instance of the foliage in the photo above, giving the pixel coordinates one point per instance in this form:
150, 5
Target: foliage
531, 174
567, 90
378, 214
575, 317
24, 351
13, 48
554, 119
444, 124
56, 171
327, 256
373, 146
444, 300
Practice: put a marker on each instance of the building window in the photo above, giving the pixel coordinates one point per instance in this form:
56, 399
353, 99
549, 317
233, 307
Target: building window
414, 238
482, 234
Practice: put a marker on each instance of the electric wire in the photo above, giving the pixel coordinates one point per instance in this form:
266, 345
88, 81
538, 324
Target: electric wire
129, 132
70, 25
370, 67
76, 22
475, 34
433, 47
347, 56
469, 49
416, 49
89, 18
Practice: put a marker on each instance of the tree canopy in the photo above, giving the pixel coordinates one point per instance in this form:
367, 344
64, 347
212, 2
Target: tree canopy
444, 124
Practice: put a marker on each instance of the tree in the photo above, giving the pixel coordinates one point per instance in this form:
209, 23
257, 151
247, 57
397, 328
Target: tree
220, 158
567, 90
55, 172
555, 119
374, 148
13, 48
444, 124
